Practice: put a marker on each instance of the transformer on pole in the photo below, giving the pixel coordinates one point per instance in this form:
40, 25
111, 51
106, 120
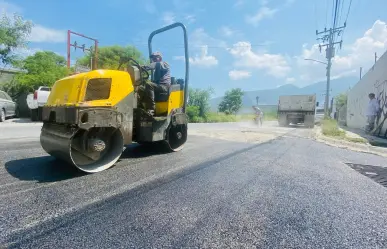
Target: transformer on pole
94, 58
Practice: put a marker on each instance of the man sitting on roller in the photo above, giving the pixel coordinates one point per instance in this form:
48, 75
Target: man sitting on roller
160, 83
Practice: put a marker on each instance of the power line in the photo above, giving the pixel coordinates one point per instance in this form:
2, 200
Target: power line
341, 10
333, 13
201, 46
335, 18
346, 18
315, 14
326, 13
328, 39
349, 9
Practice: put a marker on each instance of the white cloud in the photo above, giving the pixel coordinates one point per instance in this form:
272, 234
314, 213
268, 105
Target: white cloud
264, 2
273, 64
181, 5
263, 12
239, 3
289, 2
168, 18
239, 74
203, 60
178, 58
38, 32
199, 38
43, 34
149, 6
9, 8
346, 61
226, 31
24, 52
190, 18
290, 80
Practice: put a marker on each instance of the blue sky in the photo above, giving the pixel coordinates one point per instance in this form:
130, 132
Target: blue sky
252, 44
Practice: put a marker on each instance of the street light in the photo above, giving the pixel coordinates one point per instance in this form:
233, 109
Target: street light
317, 61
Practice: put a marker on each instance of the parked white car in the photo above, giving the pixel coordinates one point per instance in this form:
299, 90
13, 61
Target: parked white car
7, 106
37, 100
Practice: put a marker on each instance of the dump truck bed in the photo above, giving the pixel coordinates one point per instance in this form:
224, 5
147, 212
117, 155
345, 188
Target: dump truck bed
297, 103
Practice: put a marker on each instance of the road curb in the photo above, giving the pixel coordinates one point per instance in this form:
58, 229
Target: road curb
366, 148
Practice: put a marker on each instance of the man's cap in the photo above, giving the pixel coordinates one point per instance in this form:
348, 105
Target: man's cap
156, 54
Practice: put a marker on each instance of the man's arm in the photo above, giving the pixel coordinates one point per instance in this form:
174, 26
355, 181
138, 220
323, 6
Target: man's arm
151, 66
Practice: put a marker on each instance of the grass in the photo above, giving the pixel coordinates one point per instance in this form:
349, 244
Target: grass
221, 117
356, 139
330, 128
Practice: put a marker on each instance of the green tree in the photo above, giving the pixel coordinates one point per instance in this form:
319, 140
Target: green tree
232, 101
13, 34
340, 100
42, 68
109, 57
193, 113
200, 98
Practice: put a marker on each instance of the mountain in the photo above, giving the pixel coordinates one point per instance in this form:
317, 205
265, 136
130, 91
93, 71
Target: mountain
270, 96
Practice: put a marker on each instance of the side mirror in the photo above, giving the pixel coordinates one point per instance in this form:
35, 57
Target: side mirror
317, 103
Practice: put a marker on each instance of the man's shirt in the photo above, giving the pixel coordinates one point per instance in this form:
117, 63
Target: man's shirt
372, 108
161, 72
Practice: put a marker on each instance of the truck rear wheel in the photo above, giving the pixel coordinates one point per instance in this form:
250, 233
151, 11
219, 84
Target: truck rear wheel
309, 125
40, 114
34, 115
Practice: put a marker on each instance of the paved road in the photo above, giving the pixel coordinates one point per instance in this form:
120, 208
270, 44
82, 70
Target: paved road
290, 192
21, 129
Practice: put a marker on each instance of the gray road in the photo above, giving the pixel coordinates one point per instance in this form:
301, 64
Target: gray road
291, 192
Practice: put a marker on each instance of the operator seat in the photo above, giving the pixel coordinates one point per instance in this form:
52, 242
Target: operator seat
162, 99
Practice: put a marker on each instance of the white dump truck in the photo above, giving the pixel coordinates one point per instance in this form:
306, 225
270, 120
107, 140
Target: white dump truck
297, 109
36, 101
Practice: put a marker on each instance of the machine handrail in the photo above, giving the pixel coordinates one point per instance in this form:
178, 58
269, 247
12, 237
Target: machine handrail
166, 28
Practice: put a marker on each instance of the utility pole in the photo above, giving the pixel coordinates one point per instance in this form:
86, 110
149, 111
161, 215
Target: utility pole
328, 39
93, 51
376, 58
360, 71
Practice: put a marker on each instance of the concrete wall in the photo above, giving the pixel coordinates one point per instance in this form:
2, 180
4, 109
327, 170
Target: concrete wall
342, 115
375, 80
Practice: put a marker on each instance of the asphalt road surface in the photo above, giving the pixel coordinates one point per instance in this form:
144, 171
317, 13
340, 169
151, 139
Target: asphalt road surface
288, 192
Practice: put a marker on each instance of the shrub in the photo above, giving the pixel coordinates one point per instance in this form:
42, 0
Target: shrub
192, 113
330, 128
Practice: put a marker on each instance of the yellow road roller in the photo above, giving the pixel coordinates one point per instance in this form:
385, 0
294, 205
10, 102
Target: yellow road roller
90, 117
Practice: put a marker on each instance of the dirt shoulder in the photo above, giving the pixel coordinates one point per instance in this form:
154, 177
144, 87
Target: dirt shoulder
237, 136
349, 144
239, 132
